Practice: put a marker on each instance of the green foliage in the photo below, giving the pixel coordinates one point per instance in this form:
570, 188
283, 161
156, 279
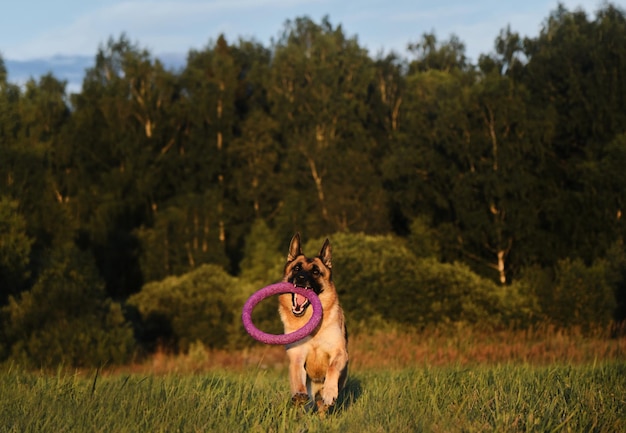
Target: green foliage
66, 318
261, 263
423, 240
3, 71
521, 305
318, 88
447, 292
616, 265
15, 247
446, 56
184, 235
581, 295
508, 398
515, 163
575, 294
378, 276
203, 305
575, 67
32, 126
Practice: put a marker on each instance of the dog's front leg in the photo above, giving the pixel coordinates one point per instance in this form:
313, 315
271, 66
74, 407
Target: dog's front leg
297, 376
336, 367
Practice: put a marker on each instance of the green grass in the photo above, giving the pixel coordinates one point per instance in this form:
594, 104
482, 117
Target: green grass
500, 398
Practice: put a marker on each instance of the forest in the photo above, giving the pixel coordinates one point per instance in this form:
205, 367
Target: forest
144, 208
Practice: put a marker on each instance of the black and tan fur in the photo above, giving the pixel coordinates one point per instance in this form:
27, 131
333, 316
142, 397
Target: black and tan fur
318, 364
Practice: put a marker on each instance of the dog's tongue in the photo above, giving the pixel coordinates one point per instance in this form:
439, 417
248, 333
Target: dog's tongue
299, 300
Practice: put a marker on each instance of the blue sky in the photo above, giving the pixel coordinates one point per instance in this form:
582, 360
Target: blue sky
39, 29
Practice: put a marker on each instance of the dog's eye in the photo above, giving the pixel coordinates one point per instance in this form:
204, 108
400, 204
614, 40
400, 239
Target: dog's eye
297, 268
315, 272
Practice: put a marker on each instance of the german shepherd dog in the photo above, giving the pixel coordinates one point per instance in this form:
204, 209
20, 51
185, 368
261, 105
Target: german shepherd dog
318, 363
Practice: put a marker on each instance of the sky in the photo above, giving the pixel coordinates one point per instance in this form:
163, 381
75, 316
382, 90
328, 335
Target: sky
42, 29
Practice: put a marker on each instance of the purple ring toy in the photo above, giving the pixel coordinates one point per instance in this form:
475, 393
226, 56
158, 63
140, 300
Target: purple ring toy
276, 289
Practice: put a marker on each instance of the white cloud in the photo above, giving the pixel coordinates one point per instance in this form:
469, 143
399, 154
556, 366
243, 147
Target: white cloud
171, 26
434, 15
163, 25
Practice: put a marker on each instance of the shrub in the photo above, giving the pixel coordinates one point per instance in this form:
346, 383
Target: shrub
378, 276
66, 318
616, 265
582, 295
203, 305
521, 306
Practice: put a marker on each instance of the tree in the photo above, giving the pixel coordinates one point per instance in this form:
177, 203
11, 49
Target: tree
44, 117
15, 248
576, 67
509, 58
495, 200
3, 73
574, 294
447, 56
32, 124
66, 318
120, 162
390, 88
319, 91
262, 263
192, 221
432, 149
254, 154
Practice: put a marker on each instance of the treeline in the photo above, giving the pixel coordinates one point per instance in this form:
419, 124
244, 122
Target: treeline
509, 172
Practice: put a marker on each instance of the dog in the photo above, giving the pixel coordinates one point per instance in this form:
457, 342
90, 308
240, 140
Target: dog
318, 363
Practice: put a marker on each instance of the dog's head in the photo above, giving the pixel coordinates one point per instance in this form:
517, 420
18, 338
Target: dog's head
309, 273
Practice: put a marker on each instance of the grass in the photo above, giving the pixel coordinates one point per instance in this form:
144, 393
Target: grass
393, 349
539, 381
505, 398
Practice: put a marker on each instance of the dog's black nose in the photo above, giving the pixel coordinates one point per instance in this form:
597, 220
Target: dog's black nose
300, 280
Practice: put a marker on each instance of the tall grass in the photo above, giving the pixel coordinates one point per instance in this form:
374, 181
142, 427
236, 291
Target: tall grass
458, 380
503, 398
396, 349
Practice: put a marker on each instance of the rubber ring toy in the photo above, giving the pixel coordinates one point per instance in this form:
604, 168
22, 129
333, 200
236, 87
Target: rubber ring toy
276, 289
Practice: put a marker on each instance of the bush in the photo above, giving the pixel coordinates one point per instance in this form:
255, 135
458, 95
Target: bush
616, 265
521, 306
581, 295
203, 305
66, 318
378, 276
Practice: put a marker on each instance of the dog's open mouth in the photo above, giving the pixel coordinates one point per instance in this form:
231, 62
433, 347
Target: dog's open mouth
299, 303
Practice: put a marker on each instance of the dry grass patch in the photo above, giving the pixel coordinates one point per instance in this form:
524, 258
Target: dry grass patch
397, 349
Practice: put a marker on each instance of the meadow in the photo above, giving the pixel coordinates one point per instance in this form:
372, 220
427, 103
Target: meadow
399, 383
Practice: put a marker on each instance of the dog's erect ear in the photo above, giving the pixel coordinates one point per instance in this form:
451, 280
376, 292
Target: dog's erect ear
326, 254
294, 248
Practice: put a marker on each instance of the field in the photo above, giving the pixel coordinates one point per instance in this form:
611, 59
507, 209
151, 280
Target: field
562, 382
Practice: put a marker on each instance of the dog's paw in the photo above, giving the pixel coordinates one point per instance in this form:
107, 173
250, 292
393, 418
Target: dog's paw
299, 399
329, 396
327, 402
